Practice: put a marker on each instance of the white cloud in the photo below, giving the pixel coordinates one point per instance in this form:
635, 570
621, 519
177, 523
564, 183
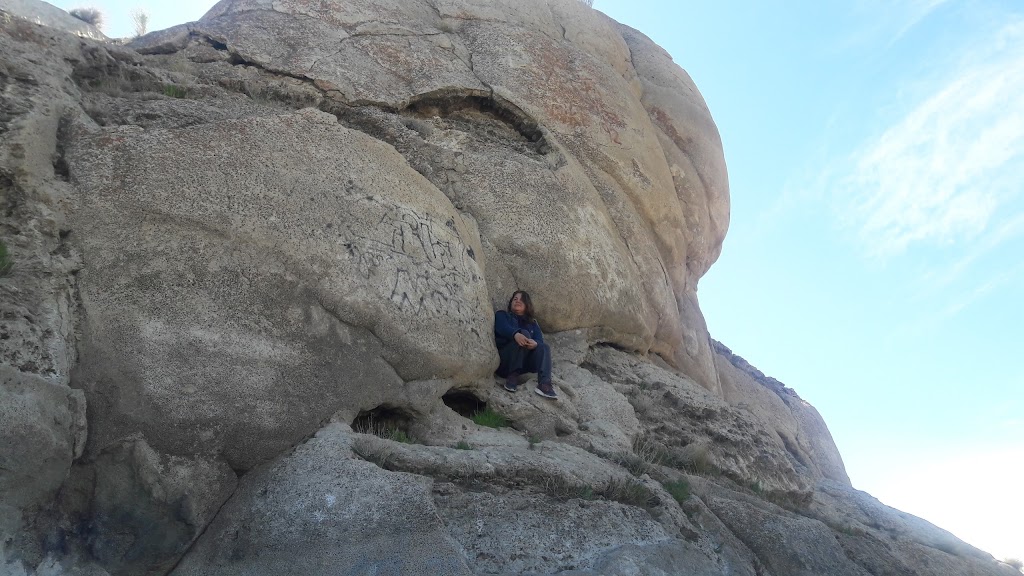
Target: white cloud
940, 174
987, 505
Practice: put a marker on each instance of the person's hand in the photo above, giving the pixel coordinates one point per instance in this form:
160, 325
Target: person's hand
530, 344
520, 339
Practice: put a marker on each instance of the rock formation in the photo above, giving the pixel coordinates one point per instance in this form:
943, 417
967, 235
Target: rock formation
248, 324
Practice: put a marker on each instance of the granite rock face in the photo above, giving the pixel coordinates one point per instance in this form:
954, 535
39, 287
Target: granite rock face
43, 431
321, 510
248, 325
534, 122
274, 289
46, 14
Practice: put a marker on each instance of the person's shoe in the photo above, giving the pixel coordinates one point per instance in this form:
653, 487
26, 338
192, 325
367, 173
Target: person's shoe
512, 382
546, 390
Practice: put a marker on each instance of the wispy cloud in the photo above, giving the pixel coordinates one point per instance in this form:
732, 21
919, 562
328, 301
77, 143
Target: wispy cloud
979, 292
1007, 231
939, 175
890, 20
914, 12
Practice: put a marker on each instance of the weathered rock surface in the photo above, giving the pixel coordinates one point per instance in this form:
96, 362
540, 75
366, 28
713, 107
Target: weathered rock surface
43, 429
147, 508
316, 283
585, 190
249, 318
779, 410
319, 510
46, 14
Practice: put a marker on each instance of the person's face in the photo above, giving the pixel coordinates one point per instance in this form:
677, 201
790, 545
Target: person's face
517, 304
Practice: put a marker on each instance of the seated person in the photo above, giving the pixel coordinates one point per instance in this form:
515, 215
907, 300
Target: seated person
521, 346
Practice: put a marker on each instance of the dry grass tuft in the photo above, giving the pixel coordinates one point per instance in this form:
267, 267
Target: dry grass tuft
380, 453
680, 490
630, 492
6, 262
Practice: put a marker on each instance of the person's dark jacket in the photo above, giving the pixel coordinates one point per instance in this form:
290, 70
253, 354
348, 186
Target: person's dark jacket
507, 325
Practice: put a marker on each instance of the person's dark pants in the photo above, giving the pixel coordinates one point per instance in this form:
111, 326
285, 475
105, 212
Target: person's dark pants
518, 360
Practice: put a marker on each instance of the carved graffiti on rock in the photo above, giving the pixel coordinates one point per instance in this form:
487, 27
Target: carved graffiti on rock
419, 262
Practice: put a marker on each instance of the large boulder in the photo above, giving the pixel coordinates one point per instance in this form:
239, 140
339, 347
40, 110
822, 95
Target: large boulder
235, 304
539, 127
294, 213
43, 430
306, 269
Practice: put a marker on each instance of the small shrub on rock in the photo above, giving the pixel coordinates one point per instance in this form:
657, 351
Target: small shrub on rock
533, 439
140, 21
88, 15
383, 423
695, 459
647, 456
490, 418
463, 445
558, 487
175, 91
564, 490
678, 490
398, 436
630, 492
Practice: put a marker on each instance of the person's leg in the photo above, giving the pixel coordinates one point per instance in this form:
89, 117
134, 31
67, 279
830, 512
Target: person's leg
539, 360
513, 357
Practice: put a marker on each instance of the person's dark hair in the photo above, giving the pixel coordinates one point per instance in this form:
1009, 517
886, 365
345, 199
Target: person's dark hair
528, 313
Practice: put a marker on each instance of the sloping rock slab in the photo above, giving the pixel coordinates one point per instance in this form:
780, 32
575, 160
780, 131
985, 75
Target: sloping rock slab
317, 512
521, 533
790, 545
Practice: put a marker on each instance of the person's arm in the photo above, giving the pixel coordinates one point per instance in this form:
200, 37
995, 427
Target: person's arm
505, 326
538, 337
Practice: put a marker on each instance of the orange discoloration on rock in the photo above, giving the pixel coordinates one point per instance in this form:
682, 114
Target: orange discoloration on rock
664, 121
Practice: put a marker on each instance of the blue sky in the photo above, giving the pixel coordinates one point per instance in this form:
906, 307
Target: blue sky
874, 261
875, 258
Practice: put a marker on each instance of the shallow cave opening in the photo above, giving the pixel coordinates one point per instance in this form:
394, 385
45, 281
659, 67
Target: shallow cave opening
464, 402
481, 113
384, 421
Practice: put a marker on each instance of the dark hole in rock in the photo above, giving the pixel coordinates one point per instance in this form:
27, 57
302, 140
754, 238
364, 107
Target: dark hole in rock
464, 402
384, 421
477, 108
217, 45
